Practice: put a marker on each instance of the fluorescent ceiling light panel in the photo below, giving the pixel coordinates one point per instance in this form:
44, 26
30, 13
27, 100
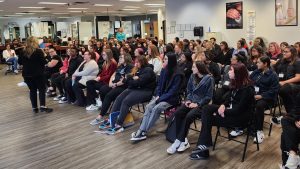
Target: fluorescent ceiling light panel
12, 15
53, 3
38, 11
133, 7
133, 0
1, 0
77, 8
31, 7
60, 13
103, 5
128, 9
76, 11
154, 4
22, 13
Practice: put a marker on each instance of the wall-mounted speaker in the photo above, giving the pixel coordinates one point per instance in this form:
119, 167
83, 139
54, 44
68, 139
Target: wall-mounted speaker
198, 31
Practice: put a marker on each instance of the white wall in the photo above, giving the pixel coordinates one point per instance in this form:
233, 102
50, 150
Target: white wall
212, 13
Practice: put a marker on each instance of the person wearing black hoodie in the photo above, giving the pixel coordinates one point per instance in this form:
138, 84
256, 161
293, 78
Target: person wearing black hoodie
141, 84
167, 94
74, 61
235, 111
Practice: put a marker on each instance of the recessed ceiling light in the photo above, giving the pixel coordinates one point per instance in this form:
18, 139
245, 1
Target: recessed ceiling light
103, 5
31, 7
133, 0
77, 8
53, 3
128, 9
154, 4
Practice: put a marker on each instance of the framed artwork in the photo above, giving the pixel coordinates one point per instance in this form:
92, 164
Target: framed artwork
234, 15
286, 12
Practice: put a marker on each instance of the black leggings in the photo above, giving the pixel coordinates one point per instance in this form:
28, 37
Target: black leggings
260, 107
184, 117
109, 98
288, 94
36, 84
56, 82
290, 138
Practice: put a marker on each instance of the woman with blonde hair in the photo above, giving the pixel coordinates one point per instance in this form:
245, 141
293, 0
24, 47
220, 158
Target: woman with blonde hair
154, 59
33, 60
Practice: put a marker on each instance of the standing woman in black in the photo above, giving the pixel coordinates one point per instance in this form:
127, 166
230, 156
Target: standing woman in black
33, 61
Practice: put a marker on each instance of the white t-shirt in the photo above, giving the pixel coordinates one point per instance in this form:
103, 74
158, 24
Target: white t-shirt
157, 64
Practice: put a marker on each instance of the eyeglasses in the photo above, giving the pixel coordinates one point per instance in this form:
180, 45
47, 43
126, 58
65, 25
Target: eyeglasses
286, 51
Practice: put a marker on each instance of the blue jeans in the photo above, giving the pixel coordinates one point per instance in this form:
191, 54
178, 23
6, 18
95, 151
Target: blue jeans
152, 114
13, 60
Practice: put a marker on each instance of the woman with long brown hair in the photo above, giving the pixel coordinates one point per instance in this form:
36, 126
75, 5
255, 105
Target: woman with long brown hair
33, 61
141, 84
154, 59
235, 111
108, 69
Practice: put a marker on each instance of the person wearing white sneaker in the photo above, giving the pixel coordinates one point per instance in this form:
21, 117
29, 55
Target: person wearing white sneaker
101, 82
290, 139
266, 84
199, 93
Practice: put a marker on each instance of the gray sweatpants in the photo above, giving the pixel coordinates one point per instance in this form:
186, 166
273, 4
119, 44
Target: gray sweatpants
152, 113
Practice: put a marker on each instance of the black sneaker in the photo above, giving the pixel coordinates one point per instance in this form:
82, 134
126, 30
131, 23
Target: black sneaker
199, 149
46, 109
35, 110
200, 156
138, 136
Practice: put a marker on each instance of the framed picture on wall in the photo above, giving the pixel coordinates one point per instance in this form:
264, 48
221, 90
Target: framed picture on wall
286, 12
234, 15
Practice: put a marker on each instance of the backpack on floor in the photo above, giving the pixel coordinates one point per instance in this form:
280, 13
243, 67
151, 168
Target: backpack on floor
171, 129
129, 121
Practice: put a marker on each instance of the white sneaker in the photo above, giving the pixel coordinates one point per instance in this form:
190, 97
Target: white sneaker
22, 84
63, 100
57, 98
260, 137
292, 162
183, 146
235, 133
98, 102
173, 148
16, 71
92, 108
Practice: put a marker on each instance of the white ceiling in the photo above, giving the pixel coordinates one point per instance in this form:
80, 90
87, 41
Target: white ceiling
10, 8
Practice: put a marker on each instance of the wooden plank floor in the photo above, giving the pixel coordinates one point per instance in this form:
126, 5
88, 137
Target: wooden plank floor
64, 139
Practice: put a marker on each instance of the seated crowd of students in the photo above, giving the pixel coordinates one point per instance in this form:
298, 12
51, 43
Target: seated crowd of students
203, 80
